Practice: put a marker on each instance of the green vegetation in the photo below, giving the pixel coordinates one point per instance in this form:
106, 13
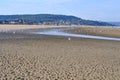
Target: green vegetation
115, 23
48, 19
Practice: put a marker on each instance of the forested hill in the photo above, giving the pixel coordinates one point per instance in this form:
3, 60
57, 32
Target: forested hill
115, 23
48, 19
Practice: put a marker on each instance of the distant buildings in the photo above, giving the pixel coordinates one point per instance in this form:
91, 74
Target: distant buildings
16, 21
22, 21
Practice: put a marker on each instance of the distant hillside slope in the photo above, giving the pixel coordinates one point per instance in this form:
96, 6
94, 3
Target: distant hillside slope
49, 19
115, 23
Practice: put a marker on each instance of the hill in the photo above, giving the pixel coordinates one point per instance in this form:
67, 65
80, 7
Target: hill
115, 23
49, 19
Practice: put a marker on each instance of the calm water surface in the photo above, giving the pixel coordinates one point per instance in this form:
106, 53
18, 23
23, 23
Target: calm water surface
59, 32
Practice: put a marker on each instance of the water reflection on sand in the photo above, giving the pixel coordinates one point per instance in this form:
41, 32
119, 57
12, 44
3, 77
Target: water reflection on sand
59, 32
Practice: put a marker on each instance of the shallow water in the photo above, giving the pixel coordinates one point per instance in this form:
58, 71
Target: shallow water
58, 32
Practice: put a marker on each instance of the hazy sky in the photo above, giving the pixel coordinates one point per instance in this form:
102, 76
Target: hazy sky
103, 10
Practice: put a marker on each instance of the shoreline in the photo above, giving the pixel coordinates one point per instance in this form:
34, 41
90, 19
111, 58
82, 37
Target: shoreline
24, 31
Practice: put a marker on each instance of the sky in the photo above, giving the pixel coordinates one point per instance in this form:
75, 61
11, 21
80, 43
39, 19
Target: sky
100, 10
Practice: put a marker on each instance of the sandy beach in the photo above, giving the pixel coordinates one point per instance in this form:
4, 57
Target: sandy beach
57, 58
99, 31
19, 27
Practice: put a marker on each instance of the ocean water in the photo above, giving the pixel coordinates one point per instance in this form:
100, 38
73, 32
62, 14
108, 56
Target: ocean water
59, 32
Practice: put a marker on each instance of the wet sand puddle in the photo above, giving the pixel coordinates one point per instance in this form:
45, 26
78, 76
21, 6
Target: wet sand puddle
59, 32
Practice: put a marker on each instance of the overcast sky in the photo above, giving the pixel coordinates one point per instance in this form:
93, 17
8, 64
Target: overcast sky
102, 10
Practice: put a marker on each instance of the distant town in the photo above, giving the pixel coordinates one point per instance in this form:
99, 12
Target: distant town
22, 21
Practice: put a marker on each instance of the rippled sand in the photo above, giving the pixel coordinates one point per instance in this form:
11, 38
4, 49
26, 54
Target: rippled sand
51, 58
59, 59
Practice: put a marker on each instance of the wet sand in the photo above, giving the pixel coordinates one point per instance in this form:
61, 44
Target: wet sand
57, 58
